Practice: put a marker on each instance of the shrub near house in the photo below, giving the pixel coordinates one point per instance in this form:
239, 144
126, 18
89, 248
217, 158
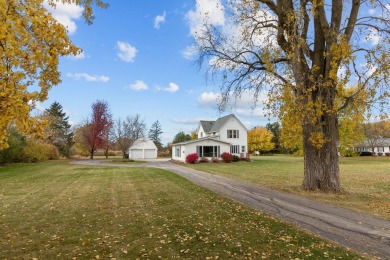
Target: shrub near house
227, 157
192, 158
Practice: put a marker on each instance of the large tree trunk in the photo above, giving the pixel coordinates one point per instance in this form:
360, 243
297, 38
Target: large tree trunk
321, 171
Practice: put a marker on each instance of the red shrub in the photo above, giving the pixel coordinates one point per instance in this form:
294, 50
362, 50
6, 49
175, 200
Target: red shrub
192, 158
227, 157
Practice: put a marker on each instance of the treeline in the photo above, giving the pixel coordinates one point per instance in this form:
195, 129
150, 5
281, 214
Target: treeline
98, 132
275, 139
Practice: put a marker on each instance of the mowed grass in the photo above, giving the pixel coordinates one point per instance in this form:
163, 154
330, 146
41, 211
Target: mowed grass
366, 180
56, 210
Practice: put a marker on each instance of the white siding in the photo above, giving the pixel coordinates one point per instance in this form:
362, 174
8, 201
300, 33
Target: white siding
136, 154
150, 153
143, 148
181, 155
201, 132
190, 148
233, 124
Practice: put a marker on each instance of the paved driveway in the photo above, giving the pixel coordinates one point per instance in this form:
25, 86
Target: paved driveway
359, 231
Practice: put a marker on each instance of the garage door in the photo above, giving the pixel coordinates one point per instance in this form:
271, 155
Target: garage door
136, 154
150, 153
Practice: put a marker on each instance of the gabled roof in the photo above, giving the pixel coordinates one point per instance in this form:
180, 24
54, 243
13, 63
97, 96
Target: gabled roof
379, 142
213, 138
206, 125
220, 122
143, 143
215, 126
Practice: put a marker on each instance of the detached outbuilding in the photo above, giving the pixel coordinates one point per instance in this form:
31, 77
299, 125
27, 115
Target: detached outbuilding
143, 148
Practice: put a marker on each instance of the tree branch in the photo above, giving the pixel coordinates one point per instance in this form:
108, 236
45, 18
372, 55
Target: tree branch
352, 19
271, 5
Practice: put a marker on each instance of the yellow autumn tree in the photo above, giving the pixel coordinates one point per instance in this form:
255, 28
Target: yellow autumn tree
31, 42
306, 51
350, 120
194, 135
260, 139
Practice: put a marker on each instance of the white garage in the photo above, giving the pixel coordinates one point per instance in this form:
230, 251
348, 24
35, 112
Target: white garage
143, 148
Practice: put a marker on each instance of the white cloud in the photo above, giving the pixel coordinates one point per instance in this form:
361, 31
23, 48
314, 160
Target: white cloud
245, 105
79, 56
139, 85
189, 52
368, 69
88, 77
212, 13
65, 14
209, 100
173, 87
342, 72
38, 106
159, 19
209, 12
67, 111
126, 52
185, 121
373, 37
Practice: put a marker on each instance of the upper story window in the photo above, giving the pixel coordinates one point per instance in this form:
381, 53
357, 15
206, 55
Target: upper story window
232, 134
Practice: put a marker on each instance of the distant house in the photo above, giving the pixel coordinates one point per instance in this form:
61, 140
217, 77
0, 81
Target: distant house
143, 148
226, 134
381, 146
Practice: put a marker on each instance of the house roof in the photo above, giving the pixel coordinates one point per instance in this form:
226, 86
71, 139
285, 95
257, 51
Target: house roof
220, 122
215, 126
201, 139
206, 125
376, 143
143, 143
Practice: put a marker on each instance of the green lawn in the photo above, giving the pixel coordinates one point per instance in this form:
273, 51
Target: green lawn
366, 180
56, 210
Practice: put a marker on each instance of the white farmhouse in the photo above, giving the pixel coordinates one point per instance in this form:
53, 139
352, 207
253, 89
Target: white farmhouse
380, 146
143, 148
226, 134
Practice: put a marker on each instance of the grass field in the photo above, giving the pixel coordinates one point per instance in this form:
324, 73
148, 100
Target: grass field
366, 180
56, 210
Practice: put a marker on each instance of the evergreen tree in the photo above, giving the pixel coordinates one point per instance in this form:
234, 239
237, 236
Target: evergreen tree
155, 134
275, 129
60, 134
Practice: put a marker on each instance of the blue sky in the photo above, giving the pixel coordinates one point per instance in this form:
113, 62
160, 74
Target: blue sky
135, 56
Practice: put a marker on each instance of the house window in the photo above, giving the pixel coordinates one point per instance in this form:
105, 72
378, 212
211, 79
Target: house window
243, 149
381, 149
232, 134
208, 151
235, 149
178, 151
201, 134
